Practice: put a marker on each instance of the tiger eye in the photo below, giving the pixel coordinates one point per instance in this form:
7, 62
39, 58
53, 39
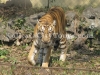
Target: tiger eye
49, 29
43, 28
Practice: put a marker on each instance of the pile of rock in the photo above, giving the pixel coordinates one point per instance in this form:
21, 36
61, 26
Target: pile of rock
83, 27
19, 30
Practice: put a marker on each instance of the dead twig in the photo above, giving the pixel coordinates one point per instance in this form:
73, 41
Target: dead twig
63, 68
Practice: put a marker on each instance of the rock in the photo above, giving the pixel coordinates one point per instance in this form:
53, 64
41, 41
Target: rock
40, 14
89, 13
17, 43
10, 23
7, 34
72, 54
70, 15
35, 17
97, 23
92, 16
28, 22
3, 38
97, 12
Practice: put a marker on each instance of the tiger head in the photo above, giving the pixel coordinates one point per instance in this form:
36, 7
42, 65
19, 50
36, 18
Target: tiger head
46, 30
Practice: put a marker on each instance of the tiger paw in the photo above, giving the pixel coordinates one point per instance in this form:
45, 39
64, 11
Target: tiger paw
31, 61
62, 57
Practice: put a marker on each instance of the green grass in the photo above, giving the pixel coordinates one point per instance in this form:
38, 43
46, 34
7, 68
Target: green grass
4, 52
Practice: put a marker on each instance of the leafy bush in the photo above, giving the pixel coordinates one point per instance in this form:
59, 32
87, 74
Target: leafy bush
19, 23
4, 52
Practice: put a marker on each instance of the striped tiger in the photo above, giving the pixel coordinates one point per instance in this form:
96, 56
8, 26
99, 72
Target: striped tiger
46, 36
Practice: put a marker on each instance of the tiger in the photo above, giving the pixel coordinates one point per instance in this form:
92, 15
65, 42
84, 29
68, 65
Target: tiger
48, 27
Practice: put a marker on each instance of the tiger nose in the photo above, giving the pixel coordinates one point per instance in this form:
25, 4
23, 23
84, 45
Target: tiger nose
46, 41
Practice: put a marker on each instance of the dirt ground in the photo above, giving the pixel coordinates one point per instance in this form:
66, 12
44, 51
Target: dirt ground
85, 62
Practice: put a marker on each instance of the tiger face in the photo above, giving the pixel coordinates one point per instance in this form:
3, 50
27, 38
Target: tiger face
46, 30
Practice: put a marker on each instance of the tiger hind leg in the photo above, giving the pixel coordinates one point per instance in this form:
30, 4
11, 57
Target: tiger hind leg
63, 48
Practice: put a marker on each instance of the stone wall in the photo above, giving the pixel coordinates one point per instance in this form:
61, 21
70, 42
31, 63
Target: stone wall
46, 3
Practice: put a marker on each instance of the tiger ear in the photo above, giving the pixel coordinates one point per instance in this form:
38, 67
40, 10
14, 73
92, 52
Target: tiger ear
54, 22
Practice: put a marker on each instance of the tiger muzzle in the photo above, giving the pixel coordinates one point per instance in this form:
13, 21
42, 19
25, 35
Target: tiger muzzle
46, 39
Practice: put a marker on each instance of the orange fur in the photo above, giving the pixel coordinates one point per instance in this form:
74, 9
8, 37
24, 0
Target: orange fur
45, 25
56, 13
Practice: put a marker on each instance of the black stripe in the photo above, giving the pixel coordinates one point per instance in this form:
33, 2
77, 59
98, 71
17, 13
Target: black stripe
64, 42
36, 45
63, 47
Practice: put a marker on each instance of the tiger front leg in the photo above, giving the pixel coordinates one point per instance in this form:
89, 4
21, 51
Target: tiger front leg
46, 57
32, 54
